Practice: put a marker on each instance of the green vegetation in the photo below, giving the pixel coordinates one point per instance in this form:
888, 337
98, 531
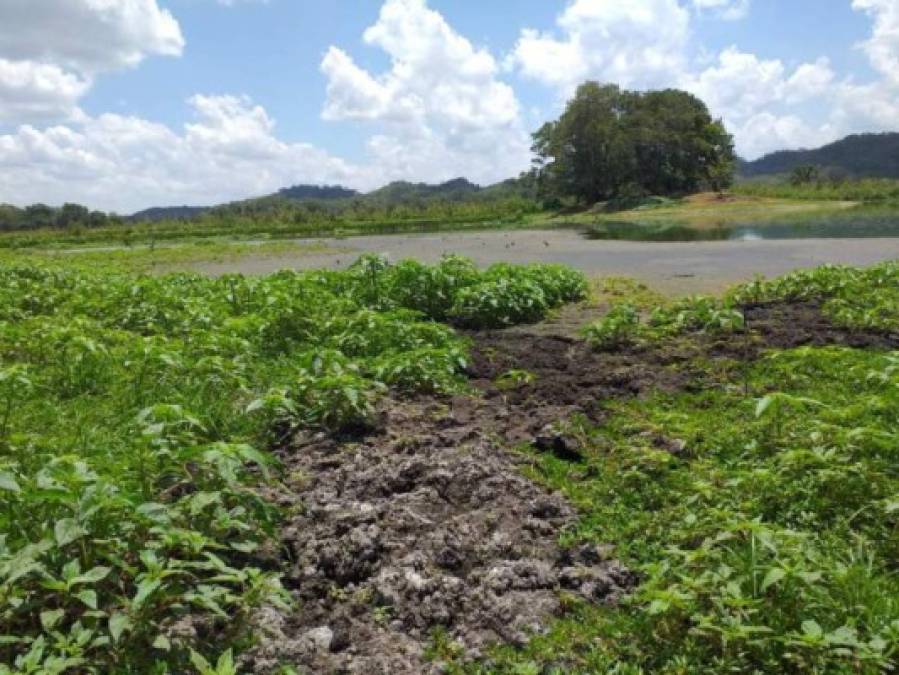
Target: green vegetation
162, 258
135, 413
860, 155
818, 188
708, 211
281, 218
622, 325
616, 144
761, 504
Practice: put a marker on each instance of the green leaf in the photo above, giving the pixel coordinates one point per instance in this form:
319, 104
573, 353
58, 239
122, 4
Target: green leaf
118, 624
774, 575
50, 618
8, 482
92, 576
144, 590
812, 629
67, 530
763, 405
200, 662
88, 597
245, 546
162, 642
225, 665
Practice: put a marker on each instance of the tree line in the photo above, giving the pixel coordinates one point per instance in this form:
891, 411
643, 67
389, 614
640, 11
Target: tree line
69, 216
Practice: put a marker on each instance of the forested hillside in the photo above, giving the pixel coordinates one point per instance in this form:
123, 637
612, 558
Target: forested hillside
862, 155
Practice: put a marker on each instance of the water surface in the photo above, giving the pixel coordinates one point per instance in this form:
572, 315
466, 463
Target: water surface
861, 223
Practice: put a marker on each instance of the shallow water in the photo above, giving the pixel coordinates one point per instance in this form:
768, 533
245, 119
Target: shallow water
862, 223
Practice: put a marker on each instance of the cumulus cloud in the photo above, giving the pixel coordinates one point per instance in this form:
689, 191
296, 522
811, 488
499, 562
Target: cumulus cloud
126, 163
764, 132
50, 51
645, 44
439, 111
743, 89
88, 36
640, 43
35, 91
883, 45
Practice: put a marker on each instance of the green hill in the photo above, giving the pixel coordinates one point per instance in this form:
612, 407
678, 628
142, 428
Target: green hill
858, 156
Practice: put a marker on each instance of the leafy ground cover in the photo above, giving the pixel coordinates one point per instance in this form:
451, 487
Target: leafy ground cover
134, 416
758, 502
739, 452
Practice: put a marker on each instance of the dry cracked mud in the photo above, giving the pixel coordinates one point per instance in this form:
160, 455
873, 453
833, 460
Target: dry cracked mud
428, 523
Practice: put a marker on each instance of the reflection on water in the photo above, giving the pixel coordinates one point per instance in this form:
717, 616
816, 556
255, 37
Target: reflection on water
854, 223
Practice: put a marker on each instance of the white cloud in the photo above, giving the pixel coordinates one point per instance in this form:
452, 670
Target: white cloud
640, 43
883, 46
35, 91
748, 91
764, 101
88, 36
440, 110
766, 132
127, 163
729, 10
51, 50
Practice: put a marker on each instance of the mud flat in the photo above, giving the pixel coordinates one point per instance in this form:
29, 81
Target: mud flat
676, 268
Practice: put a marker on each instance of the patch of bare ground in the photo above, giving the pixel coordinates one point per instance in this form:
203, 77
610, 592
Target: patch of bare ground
428, 523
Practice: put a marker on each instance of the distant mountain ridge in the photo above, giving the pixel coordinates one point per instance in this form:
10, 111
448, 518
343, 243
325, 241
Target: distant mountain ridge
398, 192
316, 192
168, 213
858, 156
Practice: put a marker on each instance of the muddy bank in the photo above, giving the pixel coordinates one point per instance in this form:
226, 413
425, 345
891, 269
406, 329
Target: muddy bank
428, 523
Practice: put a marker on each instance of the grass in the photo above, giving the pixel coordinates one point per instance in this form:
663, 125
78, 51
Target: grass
707, 211
860, 190
169, 257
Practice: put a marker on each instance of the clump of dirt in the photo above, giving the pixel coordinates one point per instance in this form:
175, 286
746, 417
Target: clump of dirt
429, 523
787, 325
566, 377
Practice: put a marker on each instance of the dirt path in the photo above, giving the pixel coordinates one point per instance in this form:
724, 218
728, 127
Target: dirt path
428, 523
674, 268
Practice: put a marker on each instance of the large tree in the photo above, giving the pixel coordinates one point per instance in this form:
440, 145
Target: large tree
611, 141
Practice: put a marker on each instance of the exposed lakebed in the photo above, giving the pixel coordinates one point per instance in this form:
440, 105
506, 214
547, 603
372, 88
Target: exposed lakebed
673, 267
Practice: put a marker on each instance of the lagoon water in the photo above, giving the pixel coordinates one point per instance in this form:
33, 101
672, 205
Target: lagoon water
857, 223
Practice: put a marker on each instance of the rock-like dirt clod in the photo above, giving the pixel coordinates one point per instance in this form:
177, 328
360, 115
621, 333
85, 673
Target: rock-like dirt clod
426, 525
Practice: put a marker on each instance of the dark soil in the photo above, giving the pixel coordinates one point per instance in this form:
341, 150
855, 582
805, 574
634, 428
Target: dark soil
785, 326
429, 523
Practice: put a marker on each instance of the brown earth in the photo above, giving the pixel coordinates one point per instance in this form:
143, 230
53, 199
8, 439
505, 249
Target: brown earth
429, 523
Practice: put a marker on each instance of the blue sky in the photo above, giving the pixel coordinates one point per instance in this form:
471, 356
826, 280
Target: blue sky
138, 102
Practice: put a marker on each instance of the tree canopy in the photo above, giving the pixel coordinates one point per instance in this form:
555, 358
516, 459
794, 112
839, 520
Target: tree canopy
611, 142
